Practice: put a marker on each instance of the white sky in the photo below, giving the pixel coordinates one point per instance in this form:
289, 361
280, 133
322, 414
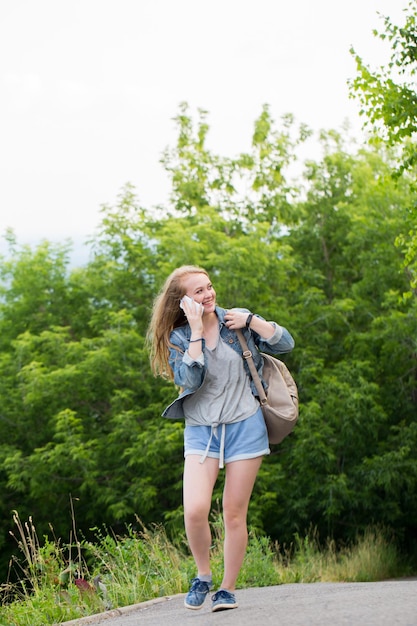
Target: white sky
89, 89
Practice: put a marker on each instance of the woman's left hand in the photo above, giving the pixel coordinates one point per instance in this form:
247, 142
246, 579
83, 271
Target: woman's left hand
236, 319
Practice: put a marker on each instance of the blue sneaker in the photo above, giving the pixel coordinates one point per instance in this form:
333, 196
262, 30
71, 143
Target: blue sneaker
223, 600
197, 594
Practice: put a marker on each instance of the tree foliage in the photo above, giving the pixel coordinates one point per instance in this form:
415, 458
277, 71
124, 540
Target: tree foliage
80, 410
389, 103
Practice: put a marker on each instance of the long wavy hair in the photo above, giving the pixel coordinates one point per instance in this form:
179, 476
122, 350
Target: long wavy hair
167, 315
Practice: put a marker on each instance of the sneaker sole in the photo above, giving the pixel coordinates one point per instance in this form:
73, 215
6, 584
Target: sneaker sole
224, 607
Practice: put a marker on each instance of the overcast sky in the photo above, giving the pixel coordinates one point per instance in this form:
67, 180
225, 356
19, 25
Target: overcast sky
89, 89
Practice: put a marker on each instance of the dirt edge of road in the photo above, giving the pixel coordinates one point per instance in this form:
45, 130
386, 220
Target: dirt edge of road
124, 610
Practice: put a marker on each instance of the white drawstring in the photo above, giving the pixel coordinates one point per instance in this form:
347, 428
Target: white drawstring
222, 440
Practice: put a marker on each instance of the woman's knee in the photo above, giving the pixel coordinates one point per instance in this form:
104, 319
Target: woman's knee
234, 517
196, 513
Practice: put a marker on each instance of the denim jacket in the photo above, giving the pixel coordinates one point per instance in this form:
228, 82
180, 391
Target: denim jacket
189, 373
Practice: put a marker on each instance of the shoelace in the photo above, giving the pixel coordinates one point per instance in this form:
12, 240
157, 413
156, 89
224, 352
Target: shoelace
199, 586
222, 594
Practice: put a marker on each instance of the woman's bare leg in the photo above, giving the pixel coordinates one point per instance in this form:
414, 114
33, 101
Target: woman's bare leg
199, 481
240, 479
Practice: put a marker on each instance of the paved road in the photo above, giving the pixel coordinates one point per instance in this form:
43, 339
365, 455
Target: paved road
390, 603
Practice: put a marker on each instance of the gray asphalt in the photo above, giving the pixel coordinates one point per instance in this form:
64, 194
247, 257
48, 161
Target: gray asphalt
388, 603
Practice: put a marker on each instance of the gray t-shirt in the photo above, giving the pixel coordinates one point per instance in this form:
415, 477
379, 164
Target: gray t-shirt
225, 395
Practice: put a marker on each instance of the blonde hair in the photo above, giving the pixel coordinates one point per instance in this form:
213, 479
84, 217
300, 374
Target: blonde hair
167, 315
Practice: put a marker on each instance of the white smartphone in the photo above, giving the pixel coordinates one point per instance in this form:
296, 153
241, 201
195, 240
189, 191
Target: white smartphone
191, 301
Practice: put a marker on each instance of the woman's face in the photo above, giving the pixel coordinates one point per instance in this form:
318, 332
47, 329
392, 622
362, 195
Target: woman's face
199, 287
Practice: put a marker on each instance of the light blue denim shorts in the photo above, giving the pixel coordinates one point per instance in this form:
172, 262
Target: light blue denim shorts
247, 439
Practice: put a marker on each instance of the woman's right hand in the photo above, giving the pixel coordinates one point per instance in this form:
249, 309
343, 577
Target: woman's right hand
194, 314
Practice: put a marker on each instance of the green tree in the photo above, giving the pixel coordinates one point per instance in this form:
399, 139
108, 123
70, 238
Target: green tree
230, 214
347, 289
75, 380
389, 102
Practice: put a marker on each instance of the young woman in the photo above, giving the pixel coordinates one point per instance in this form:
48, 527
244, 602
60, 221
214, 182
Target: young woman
193, 343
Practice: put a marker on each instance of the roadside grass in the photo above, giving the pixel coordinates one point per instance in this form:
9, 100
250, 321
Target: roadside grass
60, 582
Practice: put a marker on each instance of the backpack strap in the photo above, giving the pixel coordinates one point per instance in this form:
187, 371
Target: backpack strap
247, 355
